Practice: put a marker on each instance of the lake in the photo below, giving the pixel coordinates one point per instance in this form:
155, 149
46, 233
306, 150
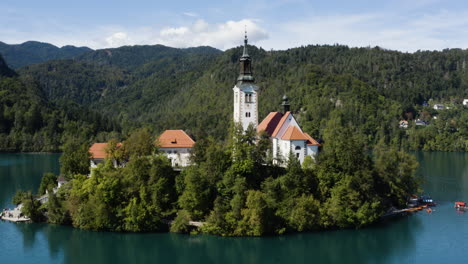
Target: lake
439, 237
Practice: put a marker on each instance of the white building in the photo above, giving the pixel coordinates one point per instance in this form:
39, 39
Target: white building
465, 102
177, 146
98, 154
439, 107
287, 136
403, 124
245, 93
284, 131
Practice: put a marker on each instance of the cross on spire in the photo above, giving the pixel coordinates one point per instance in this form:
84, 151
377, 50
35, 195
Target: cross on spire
245, 54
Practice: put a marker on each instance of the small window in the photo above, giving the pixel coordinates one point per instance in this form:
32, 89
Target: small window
297, 155
175, 151
248, 98
298, 148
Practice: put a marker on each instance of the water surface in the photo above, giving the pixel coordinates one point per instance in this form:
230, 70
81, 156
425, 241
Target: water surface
440, 237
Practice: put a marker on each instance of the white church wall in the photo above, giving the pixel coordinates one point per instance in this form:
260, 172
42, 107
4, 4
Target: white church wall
299, 149
312, 150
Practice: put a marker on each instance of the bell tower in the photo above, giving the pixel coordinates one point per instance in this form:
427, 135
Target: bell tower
245, 92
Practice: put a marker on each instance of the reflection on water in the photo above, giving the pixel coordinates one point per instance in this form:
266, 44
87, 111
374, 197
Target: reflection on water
371, 245
420, 238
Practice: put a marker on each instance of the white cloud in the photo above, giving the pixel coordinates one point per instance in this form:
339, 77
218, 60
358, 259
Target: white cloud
388, 30
118, 39
190, 14
198, 33
173, 32
201, 33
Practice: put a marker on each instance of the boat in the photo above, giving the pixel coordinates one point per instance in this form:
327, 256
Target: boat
461, 206
426, 200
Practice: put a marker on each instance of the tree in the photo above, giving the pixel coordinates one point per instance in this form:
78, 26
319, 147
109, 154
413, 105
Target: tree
139, 144
48, 183
56, 211
396, 170
31, 208
256, 216
75, 159
181, 222
305, 214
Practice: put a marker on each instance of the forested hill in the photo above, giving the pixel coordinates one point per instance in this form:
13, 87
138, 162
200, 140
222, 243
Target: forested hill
30, 122
31, 52
369, 88
132, 57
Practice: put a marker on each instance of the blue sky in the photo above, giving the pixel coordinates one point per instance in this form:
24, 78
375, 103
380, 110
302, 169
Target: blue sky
405, 25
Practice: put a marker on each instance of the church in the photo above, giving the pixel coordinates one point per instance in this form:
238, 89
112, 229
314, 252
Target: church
284, 131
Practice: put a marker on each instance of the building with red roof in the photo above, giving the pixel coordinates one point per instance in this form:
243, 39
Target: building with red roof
177, 146
284, 131
98, 152
287, 136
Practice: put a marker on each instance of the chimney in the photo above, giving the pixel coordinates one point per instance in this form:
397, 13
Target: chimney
285, 104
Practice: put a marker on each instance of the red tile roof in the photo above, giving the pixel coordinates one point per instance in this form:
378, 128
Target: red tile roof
98, 150
280, 124
270, 123
175, 139
293, 133
311, 141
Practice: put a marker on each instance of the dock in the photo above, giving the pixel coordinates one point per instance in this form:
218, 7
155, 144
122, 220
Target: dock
14, 215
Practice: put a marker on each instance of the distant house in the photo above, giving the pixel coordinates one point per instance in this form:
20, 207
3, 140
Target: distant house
177, 146
61, 181
420, 122
439, 107
403, 124
98, 154
465, 102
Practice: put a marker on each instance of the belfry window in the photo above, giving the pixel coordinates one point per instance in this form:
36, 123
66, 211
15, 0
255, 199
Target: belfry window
248, 98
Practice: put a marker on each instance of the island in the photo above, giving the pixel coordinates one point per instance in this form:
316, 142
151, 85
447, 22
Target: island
265, 179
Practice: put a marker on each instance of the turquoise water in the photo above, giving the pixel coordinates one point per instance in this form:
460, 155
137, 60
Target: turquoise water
440, 237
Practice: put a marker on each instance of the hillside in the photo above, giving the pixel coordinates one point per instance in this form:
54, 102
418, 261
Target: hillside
30, 122
31, 52
369, 88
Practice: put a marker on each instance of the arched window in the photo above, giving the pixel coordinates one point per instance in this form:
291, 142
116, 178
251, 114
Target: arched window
298, 148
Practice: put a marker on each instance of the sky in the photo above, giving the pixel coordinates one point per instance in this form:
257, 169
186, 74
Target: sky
404, 25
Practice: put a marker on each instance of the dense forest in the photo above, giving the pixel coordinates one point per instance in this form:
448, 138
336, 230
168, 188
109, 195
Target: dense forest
160, 88
233, 189
30, 122
165, 88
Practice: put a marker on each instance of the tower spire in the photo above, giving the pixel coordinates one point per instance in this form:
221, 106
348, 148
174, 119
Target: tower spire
245, 63
245, 54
